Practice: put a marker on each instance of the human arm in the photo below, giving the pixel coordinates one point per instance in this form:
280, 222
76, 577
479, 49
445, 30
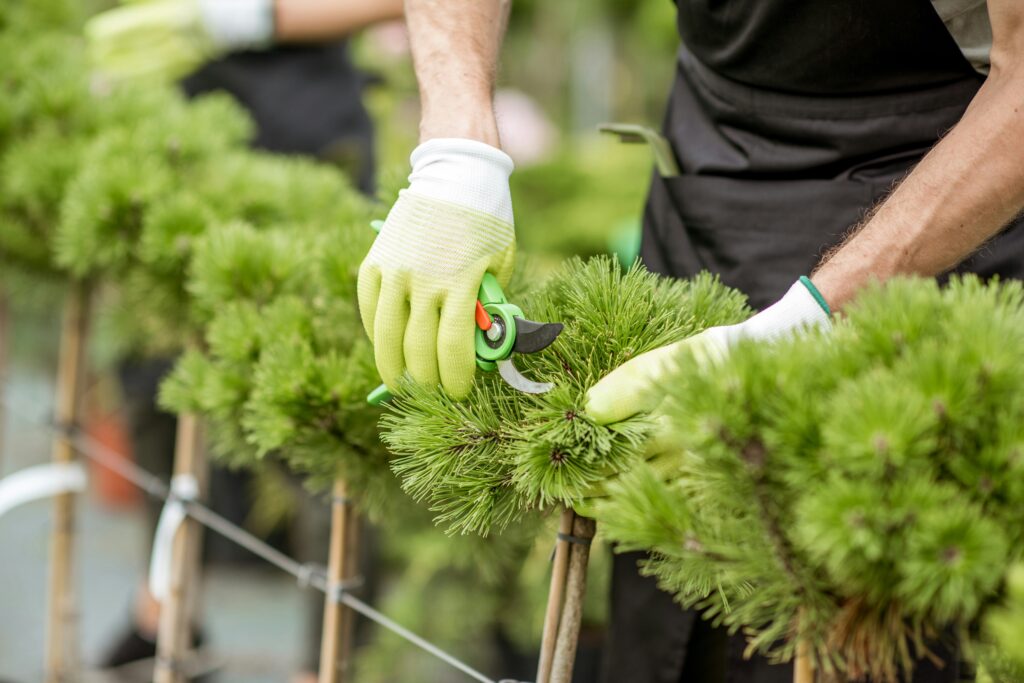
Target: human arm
455, 46
963, 192
418, 284
311, 21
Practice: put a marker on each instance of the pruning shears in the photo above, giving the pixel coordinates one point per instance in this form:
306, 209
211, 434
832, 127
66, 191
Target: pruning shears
501, 331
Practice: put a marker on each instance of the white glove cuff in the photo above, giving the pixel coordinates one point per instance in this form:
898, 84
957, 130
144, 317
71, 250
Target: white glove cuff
802, 307
238, 24
466, 172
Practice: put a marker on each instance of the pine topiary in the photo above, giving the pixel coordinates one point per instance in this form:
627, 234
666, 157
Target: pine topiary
484, 462
154, 148
286, 368
44, 118
81, 163
134, 187
859, 492
196, 174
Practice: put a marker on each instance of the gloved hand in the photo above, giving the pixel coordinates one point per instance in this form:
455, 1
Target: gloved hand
624, 391
418, 285
169, 39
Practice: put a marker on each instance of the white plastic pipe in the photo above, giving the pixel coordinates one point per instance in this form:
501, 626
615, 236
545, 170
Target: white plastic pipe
184, 487
40, 481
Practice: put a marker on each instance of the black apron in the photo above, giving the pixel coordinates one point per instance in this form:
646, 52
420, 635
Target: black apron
790, 120
305, 99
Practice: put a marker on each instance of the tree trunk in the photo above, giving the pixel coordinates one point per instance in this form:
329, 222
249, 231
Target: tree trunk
61, 659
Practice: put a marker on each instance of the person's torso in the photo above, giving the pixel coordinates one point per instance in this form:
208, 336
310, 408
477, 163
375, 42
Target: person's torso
791, 119
836, 47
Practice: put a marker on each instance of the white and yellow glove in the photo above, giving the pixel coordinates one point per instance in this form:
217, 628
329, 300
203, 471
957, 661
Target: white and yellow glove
168, 39
419, 283
624, 391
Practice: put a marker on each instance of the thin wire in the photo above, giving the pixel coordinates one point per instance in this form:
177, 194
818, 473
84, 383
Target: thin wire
303, 573
372, 614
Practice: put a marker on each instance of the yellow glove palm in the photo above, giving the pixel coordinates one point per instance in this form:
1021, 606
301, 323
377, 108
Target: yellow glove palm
630, 388
627, 390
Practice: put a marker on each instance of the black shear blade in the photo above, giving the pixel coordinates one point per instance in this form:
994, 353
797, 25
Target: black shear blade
532, 337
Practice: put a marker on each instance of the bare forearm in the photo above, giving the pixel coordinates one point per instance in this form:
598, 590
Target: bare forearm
963, 192
455, 46
300, 21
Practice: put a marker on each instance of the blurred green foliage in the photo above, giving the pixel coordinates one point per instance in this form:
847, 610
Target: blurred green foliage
543, 43
579, 202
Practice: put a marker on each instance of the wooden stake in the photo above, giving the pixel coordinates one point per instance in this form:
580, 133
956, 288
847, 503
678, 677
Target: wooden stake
803, 668
342, 565
803, 671
61, 657
350, 573
583, 529
5, 315
556, 591
177, 612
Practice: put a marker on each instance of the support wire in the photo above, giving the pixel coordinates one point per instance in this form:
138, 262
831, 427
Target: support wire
305, 574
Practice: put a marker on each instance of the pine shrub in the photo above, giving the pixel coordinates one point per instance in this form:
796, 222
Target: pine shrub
484, 462
44, 116
285, 367
860, 491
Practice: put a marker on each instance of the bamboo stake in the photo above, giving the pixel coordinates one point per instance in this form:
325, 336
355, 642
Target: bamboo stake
803, 671
61, 657
177, 612
350, 573
556, 591
583, 529
342, 566
5, 315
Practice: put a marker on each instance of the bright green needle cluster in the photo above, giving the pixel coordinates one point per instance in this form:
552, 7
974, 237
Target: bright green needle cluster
285, 368
861, 491
157, 149
484, 462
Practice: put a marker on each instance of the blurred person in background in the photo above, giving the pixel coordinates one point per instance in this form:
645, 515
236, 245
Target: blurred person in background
285, 61
882, 135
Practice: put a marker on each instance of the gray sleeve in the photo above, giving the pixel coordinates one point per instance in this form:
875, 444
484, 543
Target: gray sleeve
968, 23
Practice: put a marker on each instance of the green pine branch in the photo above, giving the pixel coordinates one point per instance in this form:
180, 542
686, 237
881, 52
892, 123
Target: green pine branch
485, 462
